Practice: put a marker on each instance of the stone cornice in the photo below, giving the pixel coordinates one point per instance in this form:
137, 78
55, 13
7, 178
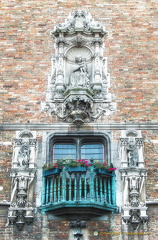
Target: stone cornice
90, 126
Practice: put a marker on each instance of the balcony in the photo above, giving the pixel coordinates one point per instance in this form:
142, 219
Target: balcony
78, 190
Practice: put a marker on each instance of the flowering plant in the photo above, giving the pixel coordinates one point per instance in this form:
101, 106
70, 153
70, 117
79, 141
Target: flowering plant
103, 166
80, 162
67, 163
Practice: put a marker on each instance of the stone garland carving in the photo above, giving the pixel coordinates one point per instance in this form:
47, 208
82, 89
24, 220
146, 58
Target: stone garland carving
133, 175
23, 172
79, 71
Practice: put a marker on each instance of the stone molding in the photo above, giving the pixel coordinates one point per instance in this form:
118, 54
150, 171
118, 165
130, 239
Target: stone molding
101, 126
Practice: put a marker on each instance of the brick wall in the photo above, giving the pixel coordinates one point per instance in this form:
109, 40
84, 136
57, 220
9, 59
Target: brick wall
27, 48
6, 151
26, 53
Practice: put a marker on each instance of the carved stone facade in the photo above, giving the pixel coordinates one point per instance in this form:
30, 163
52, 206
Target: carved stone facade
79, 81
23, 171
133, 175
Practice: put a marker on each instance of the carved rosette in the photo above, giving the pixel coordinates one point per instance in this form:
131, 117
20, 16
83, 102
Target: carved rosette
133, 175
22, 175
79, 71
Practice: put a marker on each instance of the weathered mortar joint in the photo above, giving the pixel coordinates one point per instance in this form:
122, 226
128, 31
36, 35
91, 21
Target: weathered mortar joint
23, 174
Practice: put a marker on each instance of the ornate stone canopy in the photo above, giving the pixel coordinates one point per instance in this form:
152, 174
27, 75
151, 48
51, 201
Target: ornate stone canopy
78, 84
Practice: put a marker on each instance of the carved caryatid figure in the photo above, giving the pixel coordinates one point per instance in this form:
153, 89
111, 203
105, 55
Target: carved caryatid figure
132, 152
20, 186
80, 76
134, 183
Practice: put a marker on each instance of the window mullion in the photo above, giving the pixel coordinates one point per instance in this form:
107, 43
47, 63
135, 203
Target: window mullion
78, 148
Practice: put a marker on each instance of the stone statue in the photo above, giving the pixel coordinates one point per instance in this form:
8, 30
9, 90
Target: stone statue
24, 155
132, 153
80, 76
134, 182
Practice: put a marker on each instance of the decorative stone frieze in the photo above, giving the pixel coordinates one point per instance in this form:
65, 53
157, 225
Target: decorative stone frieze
23, 171
78, 84
133, 175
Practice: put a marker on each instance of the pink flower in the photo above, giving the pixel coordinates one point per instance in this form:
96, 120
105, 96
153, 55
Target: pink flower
111, 169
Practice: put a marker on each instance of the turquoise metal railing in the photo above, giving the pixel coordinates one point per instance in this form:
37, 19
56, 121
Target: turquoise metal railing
79, 187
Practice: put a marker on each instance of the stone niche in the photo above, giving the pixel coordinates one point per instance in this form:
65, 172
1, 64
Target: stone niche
22, 175
133, 175
78, 84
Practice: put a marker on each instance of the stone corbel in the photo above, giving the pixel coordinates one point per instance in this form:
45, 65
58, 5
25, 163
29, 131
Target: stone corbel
134, 218
78, 225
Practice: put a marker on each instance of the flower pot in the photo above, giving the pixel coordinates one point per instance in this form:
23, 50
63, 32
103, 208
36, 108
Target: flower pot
77, 169
104, 172
51, 172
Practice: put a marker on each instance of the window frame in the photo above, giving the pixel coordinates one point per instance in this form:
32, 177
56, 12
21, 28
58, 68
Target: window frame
79, 138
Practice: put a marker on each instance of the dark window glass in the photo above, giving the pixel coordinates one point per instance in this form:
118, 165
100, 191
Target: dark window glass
64, 151
93, 151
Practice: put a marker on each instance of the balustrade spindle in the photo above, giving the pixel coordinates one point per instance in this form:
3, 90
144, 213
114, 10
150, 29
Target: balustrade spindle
51, 190
85, 187
64, 185
109, 193
44, 191
55, 189
75, 187
101, 190
113, 191
80, 187
59, 190
105, 189
92, 184
70, 187
96, 188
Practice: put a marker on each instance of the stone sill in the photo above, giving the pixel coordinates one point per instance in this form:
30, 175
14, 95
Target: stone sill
5, 203
154, 202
